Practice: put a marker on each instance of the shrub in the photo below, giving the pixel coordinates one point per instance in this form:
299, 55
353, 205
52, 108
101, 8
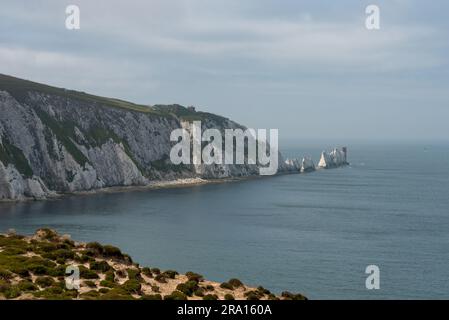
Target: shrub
44, 282
199, 292
156, 271
101, 266
121, 273
236, 283
176, 295
112, 252
160, 278
90, 294
5, 274
194, 276
262, 290
108, 284
170, 274
110, 276
209, 287
252, 296
290, 296
229, 296
226, 285
134, 274
103, 290
210, 297
117, 294
155, 288
90, 284
95, 247
87, 273
147, 271
188, 288
132, 286
23, 272
12, 292
26, 285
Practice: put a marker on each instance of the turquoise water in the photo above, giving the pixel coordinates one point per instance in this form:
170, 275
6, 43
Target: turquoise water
312, 233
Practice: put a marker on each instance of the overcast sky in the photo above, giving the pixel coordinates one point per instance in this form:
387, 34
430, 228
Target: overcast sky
309, 68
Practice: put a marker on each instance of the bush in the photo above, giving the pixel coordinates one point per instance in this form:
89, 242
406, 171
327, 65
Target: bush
90, 284
229, 296
5, 274
103, 290
110, 276
199, 292
90, 294
290, 296
87, 273
188, 288
12, 292
117, 294
262, 290
147, 271
121, 273
194, 276
176, 295
44, 282
132, 286
101, 266
252, 296
95, 247
112, 252
210, 297
236, 283
155, 288
209, 287
22, 272
26, 285
108, 284
226, 285
160, 278
170, 274
134, 274
156, 271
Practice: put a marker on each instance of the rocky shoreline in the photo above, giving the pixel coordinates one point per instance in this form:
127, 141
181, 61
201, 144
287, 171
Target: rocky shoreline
35, 267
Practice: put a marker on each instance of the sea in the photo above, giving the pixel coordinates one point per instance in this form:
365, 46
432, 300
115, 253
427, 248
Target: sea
313, 233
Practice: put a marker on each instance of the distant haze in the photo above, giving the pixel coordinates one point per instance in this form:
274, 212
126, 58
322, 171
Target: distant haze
309, 68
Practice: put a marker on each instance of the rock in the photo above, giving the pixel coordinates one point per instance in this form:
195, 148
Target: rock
336, 158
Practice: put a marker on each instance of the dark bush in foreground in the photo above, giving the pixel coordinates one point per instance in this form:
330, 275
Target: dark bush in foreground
226, 285
44, 282
176, 295
236, 283
210, 297
290, 296
101, 266
229, 296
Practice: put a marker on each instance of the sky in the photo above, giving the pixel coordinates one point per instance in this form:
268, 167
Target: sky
308, 68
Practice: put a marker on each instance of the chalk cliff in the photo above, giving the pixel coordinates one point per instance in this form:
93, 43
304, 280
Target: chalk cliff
54, 140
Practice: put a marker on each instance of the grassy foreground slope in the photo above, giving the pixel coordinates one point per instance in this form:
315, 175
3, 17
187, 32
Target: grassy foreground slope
35, 268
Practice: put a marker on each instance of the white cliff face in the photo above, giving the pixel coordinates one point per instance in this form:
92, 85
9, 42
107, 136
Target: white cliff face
56, 143
336, 158
307, 165
15, 187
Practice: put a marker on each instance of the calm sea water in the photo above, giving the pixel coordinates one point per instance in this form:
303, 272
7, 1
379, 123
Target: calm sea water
312, 233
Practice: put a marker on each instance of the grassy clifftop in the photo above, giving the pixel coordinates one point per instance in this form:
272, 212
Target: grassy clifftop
35, 268
20, 88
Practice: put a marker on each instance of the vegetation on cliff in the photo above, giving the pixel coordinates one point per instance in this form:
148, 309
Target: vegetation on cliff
35, 268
